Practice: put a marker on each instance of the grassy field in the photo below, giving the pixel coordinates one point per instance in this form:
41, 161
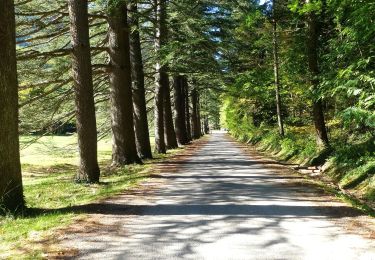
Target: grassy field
49, 166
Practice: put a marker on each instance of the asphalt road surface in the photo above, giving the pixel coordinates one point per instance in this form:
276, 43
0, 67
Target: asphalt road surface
222, 204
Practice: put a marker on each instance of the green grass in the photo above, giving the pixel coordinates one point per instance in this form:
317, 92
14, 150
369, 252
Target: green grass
350, 163
298, 145
49, 166
52, 150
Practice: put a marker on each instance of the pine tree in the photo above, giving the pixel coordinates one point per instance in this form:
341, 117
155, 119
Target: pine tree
11, 190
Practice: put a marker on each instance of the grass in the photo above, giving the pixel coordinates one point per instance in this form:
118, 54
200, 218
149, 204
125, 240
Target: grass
49, 166
56, 150
298, 145
350, 163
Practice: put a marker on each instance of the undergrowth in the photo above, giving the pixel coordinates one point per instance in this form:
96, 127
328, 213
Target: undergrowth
350, 163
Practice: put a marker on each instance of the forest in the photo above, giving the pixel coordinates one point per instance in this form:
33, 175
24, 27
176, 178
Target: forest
93, 91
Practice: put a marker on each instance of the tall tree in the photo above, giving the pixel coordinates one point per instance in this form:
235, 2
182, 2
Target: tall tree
312, 41
179, 109
84, 93
206, 125
11, 190
187, 108
139, 100
200, 123
195, 123
124, 149
276, 67
161, 77
169, 133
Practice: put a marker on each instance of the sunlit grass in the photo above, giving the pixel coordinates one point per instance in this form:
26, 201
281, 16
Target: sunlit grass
49, 166
52, 150
350, 163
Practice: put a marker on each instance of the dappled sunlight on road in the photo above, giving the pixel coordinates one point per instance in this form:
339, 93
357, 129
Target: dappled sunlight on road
222, 204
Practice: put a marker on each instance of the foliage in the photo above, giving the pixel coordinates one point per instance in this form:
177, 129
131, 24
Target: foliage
345, 84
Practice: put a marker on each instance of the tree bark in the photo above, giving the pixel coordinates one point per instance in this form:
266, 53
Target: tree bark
180, 110
206, 125
160, 76
139, 100
11, 190
195, 123
124, 149
169, 133
276, 70
187, 108
84, 93
200, 123
312, 55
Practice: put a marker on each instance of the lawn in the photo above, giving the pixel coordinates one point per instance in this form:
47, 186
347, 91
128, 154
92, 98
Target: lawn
49, 165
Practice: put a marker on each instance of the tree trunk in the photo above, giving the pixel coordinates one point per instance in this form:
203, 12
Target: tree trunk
11, 191
206, 125
195, 124
124, 149
159, 117
139, 100
160, 76
187, 108
179, 110
199, 116
276, 70
312, 55
84, 93
169, 133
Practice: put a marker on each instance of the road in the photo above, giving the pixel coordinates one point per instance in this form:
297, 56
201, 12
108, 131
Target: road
223, 204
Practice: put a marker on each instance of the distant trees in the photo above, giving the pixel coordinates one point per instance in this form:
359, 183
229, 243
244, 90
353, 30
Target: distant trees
11, 191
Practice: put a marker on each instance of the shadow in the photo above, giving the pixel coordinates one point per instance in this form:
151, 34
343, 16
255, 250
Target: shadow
41, 171
215, 205
275, 211
227, 177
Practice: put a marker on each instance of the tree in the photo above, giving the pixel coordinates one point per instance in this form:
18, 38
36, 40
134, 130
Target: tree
180, 110
84, 94
187, 109
195, 121
161, 77
11, 190
200, 122
124, 149
312, 40
276, 68
169, 133
139, 100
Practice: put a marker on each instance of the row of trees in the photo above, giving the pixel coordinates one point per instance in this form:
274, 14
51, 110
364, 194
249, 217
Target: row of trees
301, 63
113, 53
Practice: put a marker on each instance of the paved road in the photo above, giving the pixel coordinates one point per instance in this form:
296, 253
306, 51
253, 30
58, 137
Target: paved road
222, 204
